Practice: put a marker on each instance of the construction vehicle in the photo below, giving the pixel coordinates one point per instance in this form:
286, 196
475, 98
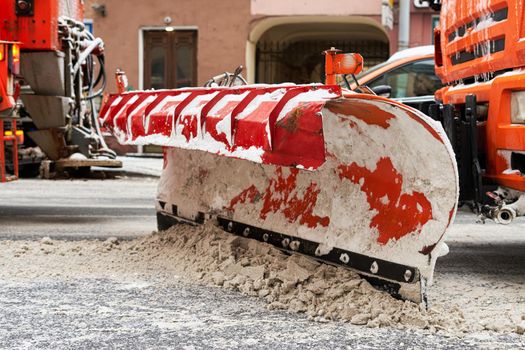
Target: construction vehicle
9, 135
480, 56
348, 178
57, 78
17, 154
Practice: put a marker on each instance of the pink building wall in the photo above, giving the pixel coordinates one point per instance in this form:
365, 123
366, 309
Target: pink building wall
222, 31
315, 7
224, 27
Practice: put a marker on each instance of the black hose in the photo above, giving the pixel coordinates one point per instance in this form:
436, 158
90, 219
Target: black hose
102, 70
101, 77
89, 75
105, 150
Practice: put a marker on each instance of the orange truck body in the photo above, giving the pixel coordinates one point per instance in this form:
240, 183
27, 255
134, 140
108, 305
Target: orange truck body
480, 51
9, 65
37, 29
7, 101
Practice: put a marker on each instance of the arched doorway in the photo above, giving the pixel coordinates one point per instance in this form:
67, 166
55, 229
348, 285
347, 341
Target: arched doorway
291, 52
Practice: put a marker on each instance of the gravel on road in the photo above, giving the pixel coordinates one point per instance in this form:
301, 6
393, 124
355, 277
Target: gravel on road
85, 271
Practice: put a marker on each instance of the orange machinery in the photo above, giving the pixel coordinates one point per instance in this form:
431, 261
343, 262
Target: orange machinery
480, 55
37, 26
61, 66
9, 66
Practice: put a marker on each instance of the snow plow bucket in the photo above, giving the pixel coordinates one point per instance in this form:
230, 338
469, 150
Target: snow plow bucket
354, 180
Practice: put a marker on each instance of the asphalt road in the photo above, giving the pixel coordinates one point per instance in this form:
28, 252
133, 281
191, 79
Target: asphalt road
96, 314
104, 313
77, 209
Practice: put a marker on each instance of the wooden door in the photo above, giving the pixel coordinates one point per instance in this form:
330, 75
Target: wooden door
170, 59
170, 62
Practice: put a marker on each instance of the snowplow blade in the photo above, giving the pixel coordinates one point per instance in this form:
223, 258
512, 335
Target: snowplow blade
355, 180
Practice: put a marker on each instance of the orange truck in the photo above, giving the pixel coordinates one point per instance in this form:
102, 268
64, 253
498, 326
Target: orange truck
60, 65
9, 64
480, 56
9, 135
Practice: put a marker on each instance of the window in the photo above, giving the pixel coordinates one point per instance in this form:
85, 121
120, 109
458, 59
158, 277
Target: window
413, 79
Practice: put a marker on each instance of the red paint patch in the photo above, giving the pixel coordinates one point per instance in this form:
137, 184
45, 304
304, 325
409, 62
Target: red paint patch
352, 124
426, 250
398, 214
251, 130
249, 194
278, 197
213, 120
189, 126
369, 113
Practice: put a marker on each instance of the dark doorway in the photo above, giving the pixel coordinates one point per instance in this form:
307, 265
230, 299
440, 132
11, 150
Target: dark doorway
302, 62
170, 59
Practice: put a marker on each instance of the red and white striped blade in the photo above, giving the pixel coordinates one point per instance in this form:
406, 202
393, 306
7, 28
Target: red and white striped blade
357, 180
384, 195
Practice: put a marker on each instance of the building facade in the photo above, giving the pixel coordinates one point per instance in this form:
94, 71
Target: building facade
177, 43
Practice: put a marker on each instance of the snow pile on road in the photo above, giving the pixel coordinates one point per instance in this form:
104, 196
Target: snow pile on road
295, 283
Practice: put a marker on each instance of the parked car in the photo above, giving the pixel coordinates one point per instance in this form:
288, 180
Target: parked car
407, 76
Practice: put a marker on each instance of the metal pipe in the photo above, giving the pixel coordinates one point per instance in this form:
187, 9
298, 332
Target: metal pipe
404, 24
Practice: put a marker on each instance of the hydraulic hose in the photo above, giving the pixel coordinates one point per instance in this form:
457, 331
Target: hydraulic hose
86, 53
110, 153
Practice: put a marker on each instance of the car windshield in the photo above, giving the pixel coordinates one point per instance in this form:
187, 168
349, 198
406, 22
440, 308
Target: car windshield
371, 70
411, 79
416, 78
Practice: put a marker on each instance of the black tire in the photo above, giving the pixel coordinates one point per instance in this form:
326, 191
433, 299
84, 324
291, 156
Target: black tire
29, 170
80, 172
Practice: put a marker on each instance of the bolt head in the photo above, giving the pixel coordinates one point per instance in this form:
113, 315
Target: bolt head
407, 275
23, 5
374, 268
318, 252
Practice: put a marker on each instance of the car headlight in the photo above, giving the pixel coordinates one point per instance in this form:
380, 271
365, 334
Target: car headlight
517, 107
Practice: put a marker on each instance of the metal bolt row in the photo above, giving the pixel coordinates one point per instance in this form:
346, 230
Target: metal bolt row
294, 245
